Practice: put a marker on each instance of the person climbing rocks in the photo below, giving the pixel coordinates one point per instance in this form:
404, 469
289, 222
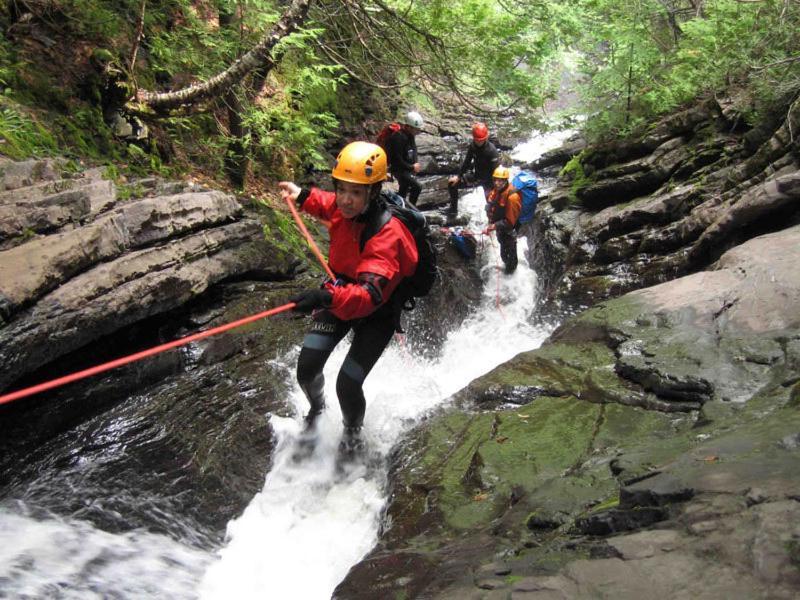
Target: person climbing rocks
361, 298
481, 160
401, 150
503, 206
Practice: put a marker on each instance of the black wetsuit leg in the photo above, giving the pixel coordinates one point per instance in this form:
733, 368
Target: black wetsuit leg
409, 186
371, 335
452, 189
325, 333
508, 249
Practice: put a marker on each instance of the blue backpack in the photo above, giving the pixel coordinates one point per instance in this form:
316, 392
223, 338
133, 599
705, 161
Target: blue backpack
464, 242
525, 183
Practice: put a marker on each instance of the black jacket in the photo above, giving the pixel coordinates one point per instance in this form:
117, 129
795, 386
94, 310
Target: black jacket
482, 159
401, 150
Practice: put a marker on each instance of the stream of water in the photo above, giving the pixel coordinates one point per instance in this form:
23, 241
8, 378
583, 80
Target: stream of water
308, 526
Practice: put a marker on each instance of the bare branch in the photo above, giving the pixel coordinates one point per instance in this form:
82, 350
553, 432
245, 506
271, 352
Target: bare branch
788, 60
138, 39
259, 56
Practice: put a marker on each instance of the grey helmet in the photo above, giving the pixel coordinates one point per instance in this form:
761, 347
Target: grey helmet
414, 119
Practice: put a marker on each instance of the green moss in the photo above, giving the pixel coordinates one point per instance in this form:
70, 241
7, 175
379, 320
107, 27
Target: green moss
111, 172
575, 171
281, 230
611, 502
481, 458
71, 167
558, 368
128, 191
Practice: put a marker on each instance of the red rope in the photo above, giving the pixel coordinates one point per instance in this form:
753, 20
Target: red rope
497, 291
309, 239
139, 355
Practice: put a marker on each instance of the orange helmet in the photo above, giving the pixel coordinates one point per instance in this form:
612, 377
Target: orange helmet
480, 132
360, 162
501, 172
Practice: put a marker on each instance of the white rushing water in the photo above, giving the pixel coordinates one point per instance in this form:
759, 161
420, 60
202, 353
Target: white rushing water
301, 534
539, 143
72, 560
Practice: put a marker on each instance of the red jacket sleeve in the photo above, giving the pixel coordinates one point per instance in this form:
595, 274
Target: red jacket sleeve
320, 203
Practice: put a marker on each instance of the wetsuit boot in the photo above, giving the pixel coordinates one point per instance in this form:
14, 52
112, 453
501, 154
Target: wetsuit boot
307, 440
351, 447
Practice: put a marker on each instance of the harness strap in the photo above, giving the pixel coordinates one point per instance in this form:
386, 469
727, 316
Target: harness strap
374, 225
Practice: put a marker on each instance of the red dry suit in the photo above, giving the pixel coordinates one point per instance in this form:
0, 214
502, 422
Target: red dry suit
390, 254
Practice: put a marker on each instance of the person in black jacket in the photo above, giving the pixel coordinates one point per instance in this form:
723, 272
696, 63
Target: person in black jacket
480, 162
401, 149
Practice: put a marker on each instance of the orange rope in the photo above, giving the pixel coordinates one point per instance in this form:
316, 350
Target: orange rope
29, 391
309, 239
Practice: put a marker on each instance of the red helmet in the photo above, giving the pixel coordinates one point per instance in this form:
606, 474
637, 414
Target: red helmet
480, 132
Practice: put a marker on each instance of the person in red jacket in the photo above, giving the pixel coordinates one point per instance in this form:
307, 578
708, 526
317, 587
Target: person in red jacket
368, 272
503, 206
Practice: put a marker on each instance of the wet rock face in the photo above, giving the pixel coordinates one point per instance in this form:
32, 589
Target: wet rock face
455, 295
69, 278
89, 272
640, 212
176, 444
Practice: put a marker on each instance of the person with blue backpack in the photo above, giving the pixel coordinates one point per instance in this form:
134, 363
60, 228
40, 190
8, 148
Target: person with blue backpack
503, 206
527, 186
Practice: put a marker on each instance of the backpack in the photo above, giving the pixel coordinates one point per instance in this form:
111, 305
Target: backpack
385, 133
464, 242
420, 283
525, 183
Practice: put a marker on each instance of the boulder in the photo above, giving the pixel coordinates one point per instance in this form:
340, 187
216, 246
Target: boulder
99, 263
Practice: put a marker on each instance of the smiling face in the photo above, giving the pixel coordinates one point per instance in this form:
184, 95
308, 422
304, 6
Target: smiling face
352, 198
499, 183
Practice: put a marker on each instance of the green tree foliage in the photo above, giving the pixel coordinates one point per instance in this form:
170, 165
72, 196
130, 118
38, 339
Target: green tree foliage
483, 54
637, 59
285, 114
645, 57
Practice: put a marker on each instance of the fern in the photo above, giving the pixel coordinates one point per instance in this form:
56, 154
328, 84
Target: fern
22, 137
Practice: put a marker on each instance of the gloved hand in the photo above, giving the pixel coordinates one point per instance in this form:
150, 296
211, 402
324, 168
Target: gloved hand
308, 300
